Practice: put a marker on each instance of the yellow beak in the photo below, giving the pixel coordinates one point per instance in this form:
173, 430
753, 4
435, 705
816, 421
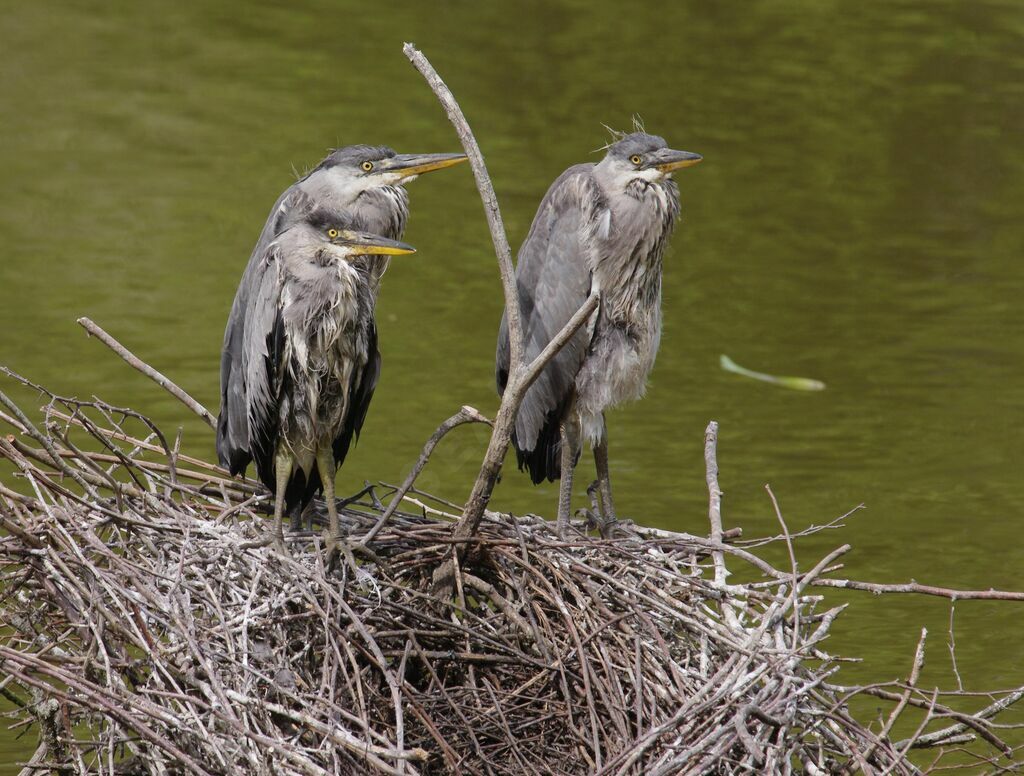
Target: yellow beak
366, 243
408, 165
669, 160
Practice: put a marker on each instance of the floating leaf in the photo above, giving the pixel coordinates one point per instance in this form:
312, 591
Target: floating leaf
793, 383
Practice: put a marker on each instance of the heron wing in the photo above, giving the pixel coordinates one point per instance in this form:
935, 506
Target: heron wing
553, 278
233, 440
263, 365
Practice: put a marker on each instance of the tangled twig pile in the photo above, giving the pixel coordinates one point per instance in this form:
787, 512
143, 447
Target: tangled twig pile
150, 631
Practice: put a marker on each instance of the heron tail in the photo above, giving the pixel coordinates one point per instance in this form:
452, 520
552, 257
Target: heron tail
543, 460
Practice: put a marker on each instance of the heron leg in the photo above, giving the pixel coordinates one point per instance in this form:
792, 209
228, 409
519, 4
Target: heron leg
296, 517
325, 463
568, 462
333, 539
283, 463
604, 478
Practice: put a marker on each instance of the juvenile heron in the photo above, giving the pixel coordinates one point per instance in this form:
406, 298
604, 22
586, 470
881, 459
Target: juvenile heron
312, 359
365, 185
600, 226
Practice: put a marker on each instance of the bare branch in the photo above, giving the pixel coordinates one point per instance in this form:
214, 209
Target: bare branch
160, 379
465, 415
486, 188
559, 341
914, 587
714, 498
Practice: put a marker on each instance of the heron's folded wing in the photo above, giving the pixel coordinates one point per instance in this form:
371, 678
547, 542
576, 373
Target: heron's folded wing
263, 364
553, 279
233, 443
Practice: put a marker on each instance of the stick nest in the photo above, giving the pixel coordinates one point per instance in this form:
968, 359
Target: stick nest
150, 631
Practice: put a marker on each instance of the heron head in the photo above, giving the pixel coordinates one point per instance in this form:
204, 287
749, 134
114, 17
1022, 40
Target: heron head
639, 156
356, 168
332, 229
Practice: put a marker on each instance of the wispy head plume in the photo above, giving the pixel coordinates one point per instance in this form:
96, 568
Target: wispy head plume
618, 134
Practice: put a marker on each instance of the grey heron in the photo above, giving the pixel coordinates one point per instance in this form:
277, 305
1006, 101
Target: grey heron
365, 185
312, 358
600, 226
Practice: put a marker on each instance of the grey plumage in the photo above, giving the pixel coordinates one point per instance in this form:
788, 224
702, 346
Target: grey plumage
362, 184
603, 226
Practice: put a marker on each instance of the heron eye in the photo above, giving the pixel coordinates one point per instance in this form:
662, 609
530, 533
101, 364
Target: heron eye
367, 166
332, 233
635, 159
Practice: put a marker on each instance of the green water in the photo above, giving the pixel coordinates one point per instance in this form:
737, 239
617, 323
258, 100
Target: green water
858, 219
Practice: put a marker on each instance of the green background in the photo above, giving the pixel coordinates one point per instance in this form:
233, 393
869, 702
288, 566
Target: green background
857, 219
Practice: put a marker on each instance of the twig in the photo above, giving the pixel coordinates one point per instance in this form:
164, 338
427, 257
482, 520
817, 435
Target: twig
487, 195
135, 362
915, 672
521, 374
465, 415
918, 589
714, 499
952, 649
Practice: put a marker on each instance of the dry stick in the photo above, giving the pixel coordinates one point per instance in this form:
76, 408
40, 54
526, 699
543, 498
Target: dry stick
160, 379
465, 415
715, 516
952, 648
914, 587
714, 499
521, 375
915, 672
483, 184
975, 721
792, 563
514, 394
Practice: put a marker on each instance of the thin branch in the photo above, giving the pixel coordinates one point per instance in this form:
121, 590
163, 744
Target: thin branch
515, 391
714, 498
160, 379
465, 415
559, 341
486, 188
914, 587
521, 375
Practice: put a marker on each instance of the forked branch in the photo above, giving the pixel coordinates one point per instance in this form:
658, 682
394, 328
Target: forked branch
160, 379
521, 375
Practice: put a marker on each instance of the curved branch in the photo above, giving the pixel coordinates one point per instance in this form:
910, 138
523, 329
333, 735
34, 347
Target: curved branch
162, 380
486, 188
465, 415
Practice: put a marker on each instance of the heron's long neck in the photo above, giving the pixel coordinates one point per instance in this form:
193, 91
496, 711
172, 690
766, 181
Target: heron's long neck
324, 294
382, 210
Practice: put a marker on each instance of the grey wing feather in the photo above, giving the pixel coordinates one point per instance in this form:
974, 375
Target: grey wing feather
553, 278
233, 441
263, 365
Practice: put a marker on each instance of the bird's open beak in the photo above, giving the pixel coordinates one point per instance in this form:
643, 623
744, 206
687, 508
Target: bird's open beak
669, 160
408, 165
366, 243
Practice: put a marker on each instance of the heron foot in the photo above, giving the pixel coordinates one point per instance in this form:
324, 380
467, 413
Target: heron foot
593, 520
601, 517
277, 543
337, 547
615, 528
